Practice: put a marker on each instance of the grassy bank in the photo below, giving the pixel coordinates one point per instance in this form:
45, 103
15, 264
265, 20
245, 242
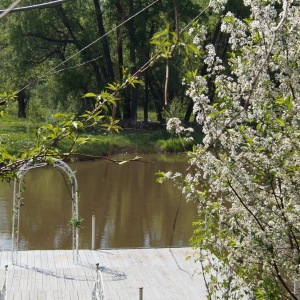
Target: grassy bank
18, 134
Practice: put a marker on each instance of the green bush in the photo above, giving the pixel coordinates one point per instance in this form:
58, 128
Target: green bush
174, 145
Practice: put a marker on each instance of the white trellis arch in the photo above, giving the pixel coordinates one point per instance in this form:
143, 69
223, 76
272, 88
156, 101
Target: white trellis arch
57, 163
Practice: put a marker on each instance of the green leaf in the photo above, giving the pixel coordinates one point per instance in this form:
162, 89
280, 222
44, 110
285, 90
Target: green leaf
289, 102
280, 122
89, 95
229, 19
112, 87
193, 48
280, 101
249, 140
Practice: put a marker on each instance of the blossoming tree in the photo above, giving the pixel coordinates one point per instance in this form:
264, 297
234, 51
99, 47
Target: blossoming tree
246, 173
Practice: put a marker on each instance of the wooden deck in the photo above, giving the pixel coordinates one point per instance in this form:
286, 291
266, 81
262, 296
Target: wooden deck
163, 273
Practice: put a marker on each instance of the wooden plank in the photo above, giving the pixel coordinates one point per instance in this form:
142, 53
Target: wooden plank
22, 258
33, 295
88, 259
23, 285
44, 260
82, 260
65, 295
31, 258
68, 281
25, 295
90, 276
84, 294
111, 294
50, 295
103, 256
31, 280
88, 281
56, 295
38, 282
37, 259
50, 259
10, 296
41, 295
73, 295
15, 283
64, 260
155, 283
17, 294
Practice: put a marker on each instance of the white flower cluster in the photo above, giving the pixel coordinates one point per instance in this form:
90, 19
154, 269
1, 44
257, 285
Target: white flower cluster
237, 30
246, 174
217, 5
199, 35
174, 125
213, 62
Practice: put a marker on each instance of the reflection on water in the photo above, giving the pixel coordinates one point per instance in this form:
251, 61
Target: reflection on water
131, 209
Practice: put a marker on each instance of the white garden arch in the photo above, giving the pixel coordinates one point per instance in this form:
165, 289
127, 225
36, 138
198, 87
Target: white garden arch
75, 221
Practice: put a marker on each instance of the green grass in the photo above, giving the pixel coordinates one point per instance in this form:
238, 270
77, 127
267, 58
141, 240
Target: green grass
15, 134
18, 134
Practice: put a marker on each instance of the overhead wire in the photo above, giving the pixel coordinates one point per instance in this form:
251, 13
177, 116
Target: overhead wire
9, 9
89, 45
92, 43
12, 8
78, 65
193, 20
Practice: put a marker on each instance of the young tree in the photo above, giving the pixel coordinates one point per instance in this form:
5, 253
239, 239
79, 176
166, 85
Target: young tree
246, 173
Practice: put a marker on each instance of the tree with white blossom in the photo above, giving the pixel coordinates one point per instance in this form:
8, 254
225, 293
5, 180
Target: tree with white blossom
245, 174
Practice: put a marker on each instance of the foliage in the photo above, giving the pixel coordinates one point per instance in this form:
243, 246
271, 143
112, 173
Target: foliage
18, 135
245, 173
67, 127
71, 49
76, 222
174, 145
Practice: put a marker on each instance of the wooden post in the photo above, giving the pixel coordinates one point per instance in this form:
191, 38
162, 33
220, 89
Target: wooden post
141, 294
93, 232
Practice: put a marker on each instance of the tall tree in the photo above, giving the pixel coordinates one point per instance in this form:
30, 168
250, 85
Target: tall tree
245, 173
61, 35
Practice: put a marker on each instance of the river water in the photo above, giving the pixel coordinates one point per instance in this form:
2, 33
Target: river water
130, 208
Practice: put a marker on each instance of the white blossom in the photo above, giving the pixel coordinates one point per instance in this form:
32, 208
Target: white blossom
245, 175
217, 5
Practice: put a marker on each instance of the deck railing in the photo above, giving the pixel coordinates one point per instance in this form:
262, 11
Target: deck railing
98, 292
3, 292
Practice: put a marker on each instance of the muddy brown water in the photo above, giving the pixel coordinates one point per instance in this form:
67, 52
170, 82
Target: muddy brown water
131, 209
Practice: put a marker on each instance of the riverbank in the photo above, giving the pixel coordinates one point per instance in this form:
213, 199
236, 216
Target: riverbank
19, 134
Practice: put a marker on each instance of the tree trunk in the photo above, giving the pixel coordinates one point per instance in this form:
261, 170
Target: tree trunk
105, 45
119, 50
79, 46
22, 104
189, 111
146, 97
134, 94
157, 103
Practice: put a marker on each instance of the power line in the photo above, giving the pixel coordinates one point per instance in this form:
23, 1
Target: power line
78, 65
9, 9
25, 8
89, 45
